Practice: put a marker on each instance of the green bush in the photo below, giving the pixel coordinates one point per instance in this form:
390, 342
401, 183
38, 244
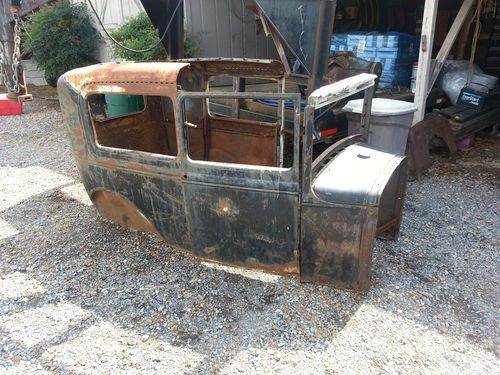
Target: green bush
191, 45
139, 33
61, 37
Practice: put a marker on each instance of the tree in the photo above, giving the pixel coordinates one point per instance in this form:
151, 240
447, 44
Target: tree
139, 33
61, 37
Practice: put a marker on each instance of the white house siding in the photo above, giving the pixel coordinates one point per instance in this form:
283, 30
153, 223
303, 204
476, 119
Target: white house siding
226, 28
113, 13
221, 27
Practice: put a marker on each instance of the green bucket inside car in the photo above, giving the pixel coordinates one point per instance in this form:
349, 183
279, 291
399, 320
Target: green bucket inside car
119, 105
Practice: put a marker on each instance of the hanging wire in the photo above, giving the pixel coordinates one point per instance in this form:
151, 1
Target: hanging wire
131, 49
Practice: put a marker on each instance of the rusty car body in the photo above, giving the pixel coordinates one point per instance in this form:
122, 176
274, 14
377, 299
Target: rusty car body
230, 190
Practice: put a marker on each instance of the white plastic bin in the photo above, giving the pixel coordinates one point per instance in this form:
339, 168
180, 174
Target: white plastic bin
390, 122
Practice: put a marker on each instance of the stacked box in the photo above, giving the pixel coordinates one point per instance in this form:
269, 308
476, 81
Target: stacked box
395, 51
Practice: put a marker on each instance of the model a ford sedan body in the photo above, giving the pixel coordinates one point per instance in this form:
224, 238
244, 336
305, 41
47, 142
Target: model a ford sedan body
243, 192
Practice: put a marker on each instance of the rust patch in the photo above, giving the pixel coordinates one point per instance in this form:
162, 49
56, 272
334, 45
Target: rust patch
79, 154
242, 142
282, 269
121, 211
109, 163
136, 167
226, 208
151, 78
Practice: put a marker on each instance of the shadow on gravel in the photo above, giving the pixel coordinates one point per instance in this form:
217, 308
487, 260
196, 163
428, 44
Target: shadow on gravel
148, 295
136, 282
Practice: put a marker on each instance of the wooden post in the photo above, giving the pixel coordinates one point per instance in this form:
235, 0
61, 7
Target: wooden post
425, 58
450, 39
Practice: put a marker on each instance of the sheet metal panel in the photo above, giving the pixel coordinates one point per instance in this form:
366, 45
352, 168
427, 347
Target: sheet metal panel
114, 13
225, 28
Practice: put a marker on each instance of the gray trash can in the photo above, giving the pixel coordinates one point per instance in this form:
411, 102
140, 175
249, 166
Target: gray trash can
390, 122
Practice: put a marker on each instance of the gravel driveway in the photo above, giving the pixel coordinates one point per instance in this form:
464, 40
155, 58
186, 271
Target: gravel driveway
79, 295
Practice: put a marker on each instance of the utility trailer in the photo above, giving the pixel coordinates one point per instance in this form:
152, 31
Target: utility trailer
237, 191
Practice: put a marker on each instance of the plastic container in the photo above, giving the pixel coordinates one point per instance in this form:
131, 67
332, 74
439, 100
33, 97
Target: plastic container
288, 104
396, 52
390, 122
119, 105
381, 41
484, 80
397, 75
8, 108
392, 64
393, 79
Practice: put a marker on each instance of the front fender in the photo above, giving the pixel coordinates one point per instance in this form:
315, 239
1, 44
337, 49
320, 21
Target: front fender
358, 195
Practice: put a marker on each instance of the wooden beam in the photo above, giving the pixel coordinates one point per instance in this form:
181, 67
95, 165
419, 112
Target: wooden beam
425, 58
450, 39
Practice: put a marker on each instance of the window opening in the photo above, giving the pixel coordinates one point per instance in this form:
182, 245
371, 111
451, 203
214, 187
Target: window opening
235, 140
134, 122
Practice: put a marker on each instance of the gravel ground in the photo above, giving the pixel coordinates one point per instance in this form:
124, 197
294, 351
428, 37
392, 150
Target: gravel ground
81, 295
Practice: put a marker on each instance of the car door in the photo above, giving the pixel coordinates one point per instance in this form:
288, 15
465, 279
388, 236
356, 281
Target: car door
242, 206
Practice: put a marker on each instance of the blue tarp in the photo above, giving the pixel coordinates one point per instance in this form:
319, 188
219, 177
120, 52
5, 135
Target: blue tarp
395, 51
274, 103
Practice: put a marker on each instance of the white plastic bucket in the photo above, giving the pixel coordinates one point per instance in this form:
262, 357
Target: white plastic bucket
390, 122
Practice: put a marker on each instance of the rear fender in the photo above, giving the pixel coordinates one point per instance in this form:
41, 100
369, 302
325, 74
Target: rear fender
121, 211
